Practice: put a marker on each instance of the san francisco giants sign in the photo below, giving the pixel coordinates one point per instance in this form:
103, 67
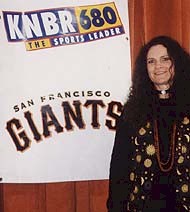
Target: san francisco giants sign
59, 106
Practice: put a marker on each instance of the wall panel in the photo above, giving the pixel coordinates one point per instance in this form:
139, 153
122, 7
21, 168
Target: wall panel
82, 192
148, 18
98, 195
162, 17
24, 197
136, 23
185, 14
60, 197
1, 198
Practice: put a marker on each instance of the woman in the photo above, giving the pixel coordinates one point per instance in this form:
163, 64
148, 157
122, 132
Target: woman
150, 165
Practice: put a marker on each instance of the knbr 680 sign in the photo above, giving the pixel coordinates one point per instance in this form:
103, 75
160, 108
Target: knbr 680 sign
98, 17
62, 26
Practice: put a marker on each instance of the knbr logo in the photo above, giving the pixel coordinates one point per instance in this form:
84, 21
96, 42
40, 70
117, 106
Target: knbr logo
39, 24
62, 26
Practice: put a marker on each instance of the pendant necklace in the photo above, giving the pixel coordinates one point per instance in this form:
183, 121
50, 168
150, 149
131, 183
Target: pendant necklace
163, 92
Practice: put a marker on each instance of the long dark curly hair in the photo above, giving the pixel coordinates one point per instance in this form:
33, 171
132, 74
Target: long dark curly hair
139, 106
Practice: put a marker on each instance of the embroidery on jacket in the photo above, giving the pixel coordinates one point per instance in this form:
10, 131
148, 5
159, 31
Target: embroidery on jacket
142, 174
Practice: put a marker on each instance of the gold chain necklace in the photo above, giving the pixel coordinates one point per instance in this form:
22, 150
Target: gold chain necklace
165, 166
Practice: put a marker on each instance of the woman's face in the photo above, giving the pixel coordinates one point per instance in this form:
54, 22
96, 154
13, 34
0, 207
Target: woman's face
160, 67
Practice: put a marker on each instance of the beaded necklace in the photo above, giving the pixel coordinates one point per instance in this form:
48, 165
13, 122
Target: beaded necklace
165, 166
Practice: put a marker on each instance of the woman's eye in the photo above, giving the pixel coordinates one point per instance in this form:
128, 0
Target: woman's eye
165, 59
150, 61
